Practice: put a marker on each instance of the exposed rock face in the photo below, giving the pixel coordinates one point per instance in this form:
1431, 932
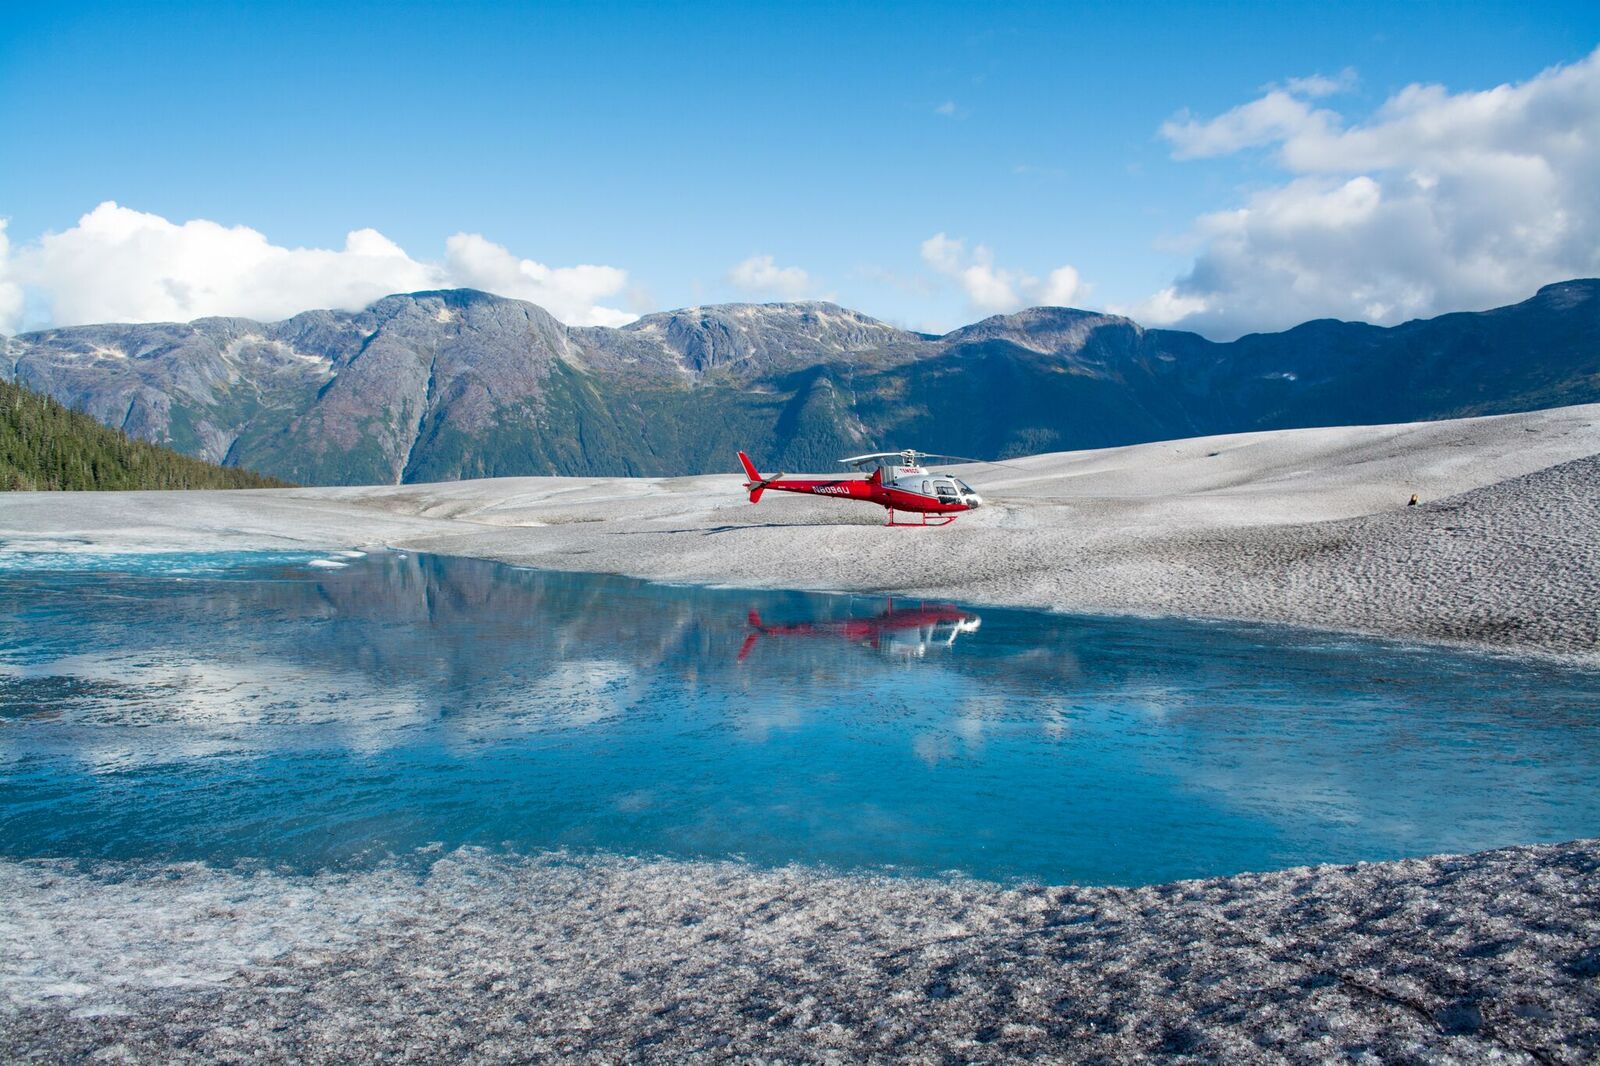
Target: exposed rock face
443, 385
759, 337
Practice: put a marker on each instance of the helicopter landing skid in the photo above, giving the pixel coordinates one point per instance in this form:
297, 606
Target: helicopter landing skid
929, 521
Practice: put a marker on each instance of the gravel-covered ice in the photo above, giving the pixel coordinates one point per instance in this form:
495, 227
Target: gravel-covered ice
1305, 526
1479, 958
1491, 957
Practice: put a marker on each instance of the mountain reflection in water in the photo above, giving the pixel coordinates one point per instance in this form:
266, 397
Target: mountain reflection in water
337, 716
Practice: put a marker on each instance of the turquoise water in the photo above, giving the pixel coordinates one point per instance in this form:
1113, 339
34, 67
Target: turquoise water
343, 712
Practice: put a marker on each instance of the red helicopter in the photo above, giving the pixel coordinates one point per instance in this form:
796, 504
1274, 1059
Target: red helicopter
903, 486
907, 631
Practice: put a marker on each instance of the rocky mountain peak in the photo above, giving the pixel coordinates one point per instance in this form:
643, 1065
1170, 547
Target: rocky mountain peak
1047, 330
1568, 294
762, 335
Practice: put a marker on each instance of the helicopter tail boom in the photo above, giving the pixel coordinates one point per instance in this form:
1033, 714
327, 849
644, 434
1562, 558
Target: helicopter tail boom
756, 483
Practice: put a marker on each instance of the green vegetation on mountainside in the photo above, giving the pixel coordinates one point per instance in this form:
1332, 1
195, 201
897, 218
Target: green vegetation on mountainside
45, 446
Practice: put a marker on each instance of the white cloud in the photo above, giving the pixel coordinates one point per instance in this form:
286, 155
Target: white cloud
1162, 309
1277, 116
943, 254
121, 265
10, 291
1280, 113
762, 274
1060, 288
991, 289
1439, 201
569, 293
1318, 85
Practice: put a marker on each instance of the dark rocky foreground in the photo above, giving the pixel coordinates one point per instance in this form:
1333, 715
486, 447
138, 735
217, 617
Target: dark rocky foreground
1489, 957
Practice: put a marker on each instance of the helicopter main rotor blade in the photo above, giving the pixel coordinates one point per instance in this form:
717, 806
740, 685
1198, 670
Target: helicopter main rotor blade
969, 459
852, 461
915, 457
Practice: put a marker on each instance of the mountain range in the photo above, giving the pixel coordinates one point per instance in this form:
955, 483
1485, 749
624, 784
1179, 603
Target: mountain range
435, 386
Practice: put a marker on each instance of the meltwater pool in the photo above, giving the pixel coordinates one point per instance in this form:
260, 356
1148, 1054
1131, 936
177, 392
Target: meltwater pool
346, 711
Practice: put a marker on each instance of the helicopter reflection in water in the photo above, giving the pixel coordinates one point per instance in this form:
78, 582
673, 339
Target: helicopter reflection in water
904, 632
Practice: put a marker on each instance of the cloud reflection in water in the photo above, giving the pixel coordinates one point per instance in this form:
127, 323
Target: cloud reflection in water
332, 717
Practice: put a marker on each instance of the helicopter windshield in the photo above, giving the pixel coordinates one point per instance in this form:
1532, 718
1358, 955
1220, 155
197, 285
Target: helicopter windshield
966, 490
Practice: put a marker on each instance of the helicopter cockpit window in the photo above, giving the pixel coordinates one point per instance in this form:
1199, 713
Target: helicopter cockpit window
946, 489
966, 490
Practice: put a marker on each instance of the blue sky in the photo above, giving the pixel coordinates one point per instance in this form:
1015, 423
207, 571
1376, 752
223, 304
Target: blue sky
671, 144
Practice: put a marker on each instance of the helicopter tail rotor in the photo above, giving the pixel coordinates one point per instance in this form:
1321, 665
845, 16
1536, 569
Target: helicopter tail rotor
756, 483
